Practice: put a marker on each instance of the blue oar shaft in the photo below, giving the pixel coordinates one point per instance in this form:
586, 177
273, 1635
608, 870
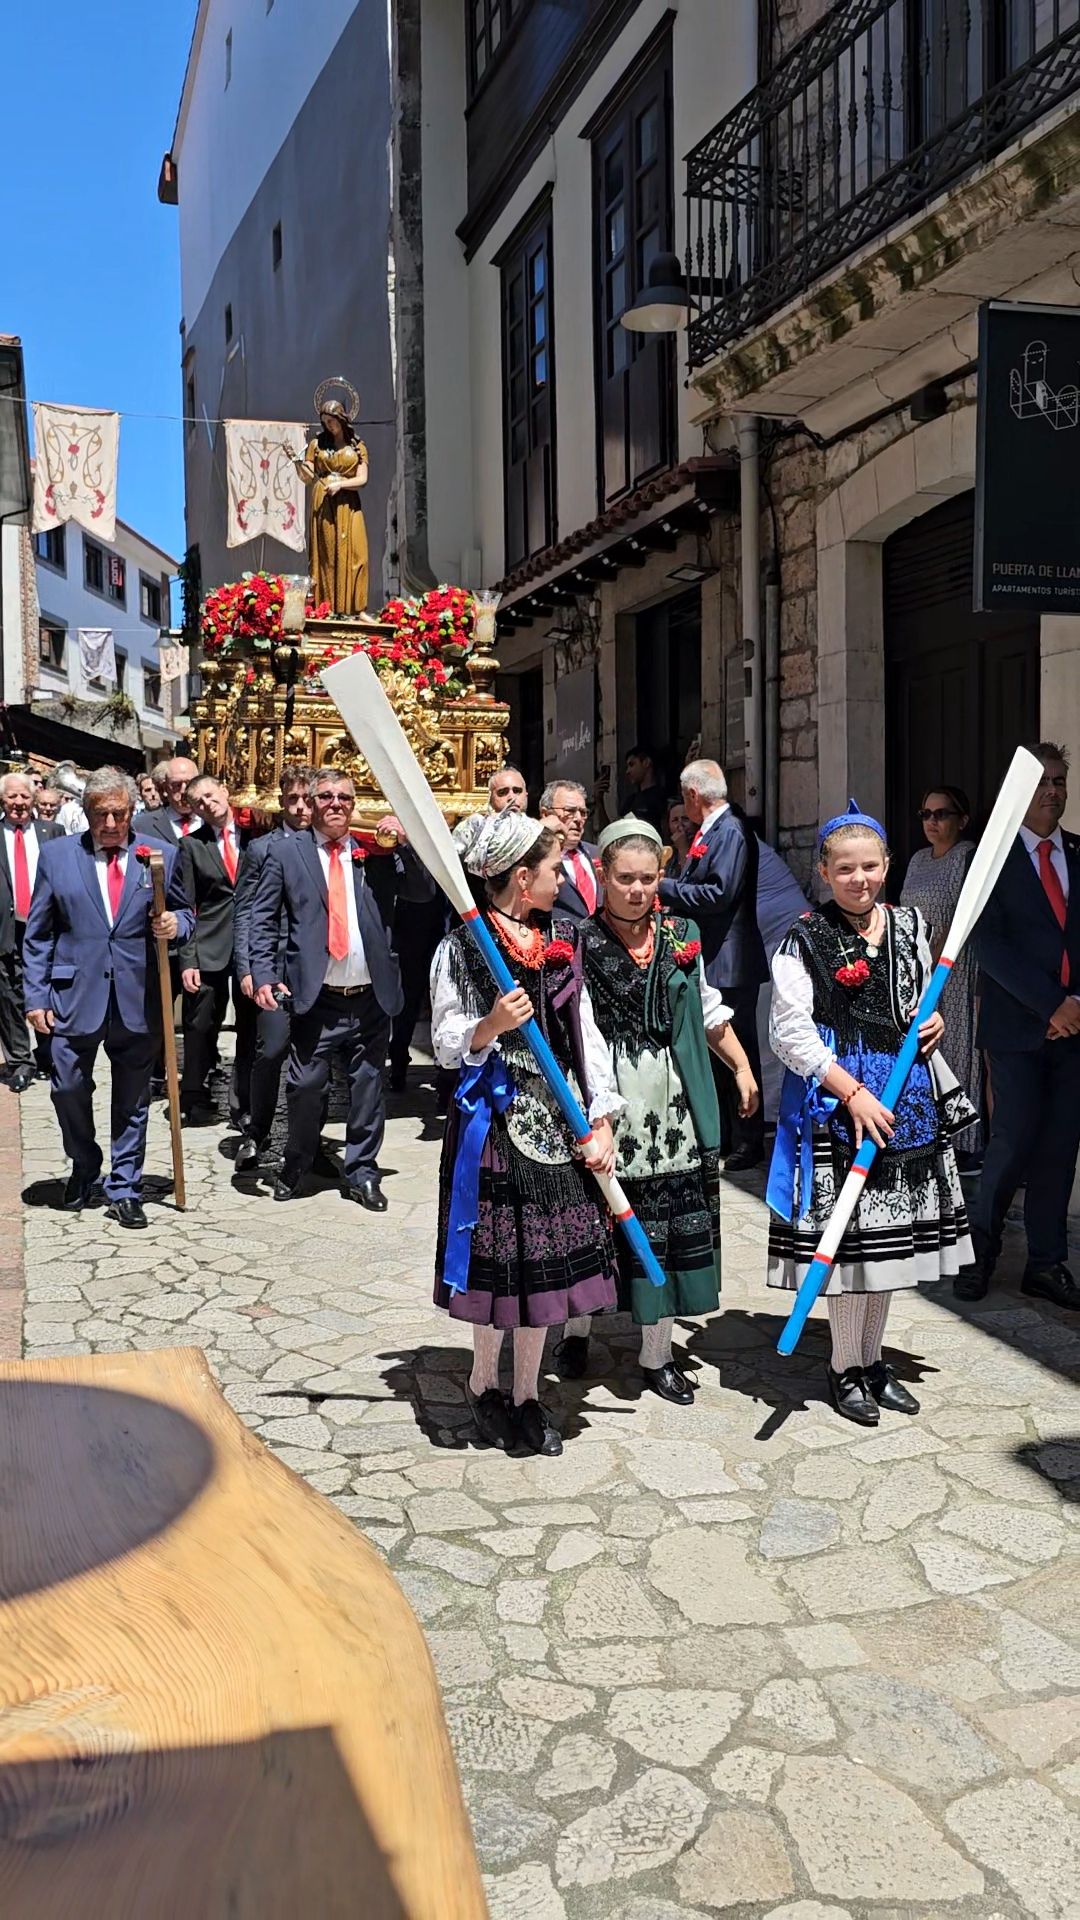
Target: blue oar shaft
568, 1106
817, 1274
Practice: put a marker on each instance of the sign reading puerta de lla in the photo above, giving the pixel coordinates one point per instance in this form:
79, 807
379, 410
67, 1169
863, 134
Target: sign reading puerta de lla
1027, 516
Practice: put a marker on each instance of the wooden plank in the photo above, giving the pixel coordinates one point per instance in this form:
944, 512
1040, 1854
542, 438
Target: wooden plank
216, 1700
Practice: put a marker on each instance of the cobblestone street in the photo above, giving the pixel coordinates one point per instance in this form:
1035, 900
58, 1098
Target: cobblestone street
742, 1657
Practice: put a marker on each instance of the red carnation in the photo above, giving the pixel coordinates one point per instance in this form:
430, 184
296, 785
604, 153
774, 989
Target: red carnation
143, 852
687, 955
856, 975
558, 953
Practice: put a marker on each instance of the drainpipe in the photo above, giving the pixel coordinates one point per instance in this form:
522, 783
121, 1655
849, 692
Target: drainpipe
750, 553
772, 699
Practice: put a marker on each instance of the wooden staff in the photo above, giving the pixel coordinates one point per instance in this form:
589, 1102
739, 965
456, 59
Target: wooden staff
172, 1079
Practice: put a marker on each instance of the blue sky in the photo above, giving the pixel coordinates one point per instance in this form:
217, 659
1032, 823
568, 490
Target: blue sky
89, 273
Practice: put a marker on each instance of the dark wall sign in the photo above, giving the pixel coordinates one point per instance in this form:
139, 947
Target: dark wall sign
575, 726
1027, 491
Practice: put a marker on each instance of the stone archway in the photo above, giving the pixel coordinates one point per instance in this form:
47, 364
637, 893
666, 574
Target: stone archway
904, 480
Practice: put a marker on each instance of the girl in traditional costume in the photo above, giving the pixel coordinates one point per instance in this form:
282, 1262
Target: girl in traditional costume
524, 1238
659, 1016
846, 984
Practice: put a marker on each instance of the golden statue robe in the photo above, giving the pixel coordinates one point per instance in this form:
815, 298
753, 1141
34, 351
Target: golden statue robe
337, 535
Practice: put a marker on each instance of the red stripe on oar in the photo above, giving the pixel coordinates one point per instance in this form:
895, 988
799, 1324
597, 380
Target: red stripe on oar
471, 913
583, 1139
628, 1215
943, 962
861, 1171
823, 1259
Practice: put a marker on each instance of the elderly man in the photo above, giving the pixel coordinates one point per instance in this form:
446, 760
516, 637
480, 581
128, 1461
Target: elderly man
340, 976
210, 862
48, 804
718, 888
564, 805
21, 841
91, 981
175, 820
273, 1028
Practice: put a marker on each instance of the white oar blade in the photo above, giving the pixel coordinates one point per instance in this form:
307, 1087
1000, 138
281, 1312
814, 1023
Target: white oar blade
358, 694
1017, 791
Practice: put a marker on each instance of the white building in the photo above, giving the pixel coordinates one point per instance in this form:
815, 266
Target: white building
124, 587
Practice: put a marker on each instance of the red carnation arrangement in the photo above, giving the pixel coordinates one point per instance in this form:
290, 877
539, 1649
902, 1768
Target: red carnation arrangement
855, 975
558, 953
424, 628
248, 609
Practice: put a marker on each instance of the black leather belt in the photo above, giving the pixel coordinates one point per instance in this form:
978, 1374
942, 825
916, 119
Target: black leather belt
346, 993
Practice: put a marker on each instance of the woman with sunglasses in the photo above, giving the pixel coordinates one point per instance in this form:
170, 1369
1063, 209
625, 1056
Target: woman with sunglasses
932, 883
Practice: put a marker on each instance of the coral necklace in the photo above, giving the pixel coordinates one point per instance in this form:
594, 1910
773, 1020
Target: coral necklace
526, 945
641, 956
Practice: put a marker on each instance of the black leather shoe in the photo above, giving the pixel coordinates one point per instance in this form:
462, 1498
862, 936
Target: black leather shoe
127, 1213
367, 1192
22, 1078
79, 1192
247, 1155
286, 1185
887, 1390
973, 1281
492, 1416
197, 1113
670, 1384
1055, 1284
847, 1391
534, 1428
571, 1356
743, 1159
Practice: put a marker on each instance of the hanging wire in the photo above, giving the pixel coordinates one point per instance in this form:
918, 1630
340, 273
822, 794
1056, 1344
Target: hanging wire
182, 419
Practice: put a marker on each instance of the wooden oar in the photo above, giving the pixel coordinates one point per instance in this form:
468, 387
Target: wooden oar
156, 864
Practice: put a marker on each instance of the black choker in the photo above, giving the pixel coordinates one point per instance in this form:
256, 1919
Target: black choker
639, 919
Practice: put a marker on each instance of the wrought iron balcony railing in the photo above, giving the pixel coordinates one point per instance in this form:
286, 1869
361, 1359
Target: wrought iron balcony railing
881, 106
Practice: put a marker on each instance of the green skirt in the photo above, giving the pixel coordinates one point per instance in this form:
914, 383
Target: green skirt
680, 1213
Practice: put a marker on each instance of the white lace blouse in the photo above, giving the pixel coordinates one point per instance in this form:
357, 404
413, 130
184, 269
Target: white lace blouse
452, 1029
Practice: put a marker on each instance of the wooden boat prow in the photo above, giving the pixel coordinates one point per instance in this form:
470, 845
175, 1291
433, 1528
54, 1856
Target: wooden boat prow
214, 1698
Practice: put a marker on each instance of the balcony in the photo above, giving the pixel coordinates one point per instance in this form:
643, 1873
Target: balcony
876, 115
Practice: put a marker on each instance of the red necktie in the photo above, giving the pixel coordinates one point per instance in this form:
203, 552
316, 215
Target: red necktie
337, 938
586, 880
185, 827
1055, 893
22, 875
116, 882
228, 854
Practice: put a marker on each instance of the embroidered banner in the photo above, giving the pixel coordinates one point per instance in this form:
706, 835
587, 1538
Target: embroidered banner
266, 494
97, 655
173, 662
75, 455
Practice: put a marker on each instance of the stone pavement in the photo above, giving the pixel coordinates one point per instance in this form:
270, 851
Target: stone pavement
740, 1658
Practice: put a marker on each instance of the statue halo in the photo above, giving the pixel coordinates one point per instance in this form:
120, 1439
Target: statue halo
324, 392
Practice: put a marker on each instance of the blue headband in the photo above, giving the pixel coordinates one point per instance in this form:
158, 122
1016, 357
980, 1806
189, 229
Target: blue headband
852, 818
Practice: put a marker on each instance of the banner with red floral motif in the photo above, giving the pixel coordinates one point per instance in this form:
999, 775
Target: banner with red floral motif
75, 456
266, 494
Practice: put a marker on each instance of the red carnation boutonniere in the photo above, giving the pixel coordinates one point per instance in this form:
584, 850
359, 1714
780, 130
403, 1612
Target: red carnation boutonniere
856, 975
143, 852
685, 953
358, 854
698, 846
558, 953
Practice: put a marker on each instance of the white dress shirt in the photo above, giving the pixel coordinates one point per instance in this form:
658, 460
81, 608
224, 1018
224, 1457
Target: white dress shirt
711, 818
1033, 841
101, 862
353, 971
176, 822
31, 842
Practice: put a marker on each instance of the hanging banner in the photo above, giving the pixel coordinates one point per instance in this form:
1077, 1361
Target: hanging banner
97, 655
1027, 531
173, 662
575, 726
266, 494
75, 456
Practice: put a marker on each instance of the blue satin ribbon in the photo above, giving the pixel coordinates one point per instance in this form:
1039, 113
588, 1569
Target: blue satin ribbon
481, 1092
803, 1105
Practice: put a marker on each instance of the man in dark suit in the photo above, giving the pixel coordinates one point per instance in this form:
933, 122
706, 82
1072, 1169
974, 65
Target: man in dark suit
176, 820
21, 840
718, 889
91, 980
210, 859
340, 973
273, 1024
564, 805
1027, 944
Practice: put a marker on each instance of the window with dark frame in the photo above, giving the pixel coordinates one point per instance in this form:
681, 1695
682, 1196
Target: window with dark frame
52, 644
228, 56
104, 572
275, 246
51, 547
487, 23
189, 394
528, 372
150, 599
94, 566
151, 680
634, 220
228, 324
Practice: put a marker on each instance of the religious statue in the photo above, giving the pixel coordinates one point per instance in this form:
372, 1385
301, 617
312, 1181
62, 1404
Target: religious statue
335, 468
